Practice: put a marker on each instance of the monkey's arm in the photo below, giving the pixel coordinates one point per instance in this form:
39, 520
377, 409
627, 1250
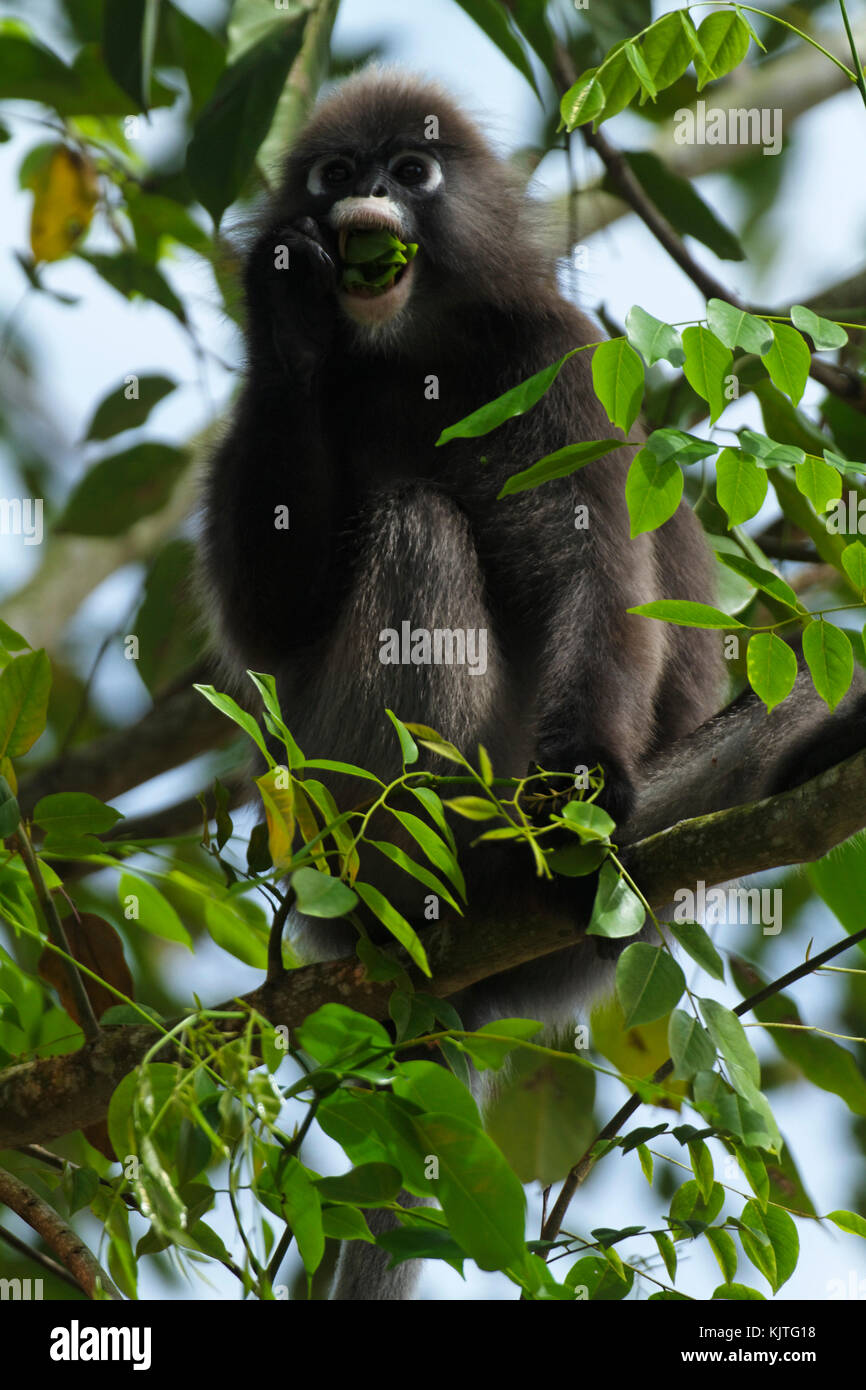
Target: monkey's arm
276, 503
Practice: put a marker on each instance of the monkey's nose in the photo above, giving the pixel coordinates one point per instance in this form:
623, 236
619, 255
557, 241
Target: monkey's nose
379, 191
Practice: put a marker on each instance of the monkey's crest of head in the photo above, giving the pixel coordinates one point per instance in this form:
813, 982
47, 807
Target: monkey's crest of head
390, 153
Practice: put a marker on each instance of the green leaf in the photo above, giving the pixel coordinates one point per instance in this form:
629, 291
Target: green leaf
854, 564
688, 1204
434, 847
648, 983
736, 328
724, 38
708, 365
667, 51
74, 813
618, 379
560, 464
654, 340
761, 578
685, 613
694, 939
369, 1185
702, 1167
25, 684
590, 820
511, 403
492, 1052
741, 485
226, 705
691, 1047
128, 41
410, 866
620, 84
584, 101
788, 361
818, 481
653, 490
825, 334
233, 124
679, 202
346, 1223
492, 19
771, 667
830, 659
729, 1035
738, 1293
408, 746
334, 1034
322, 895
669, 443
724, 1250
132, 277
480, 1195
10, 811
303, 1209
10, 639
150, 910
848, 1221
617, 910
770, 1241
120, 490
636, 59
396, 923
769, 453
432, 1088
121, 411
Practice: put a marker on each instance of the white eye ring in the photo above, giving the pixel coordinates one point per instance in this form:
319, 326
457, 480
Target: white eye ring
316, 177
433, 176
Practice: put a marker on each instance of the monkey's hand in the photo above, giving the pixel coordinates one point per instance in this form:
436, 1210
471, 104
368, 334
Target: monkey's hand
291, 285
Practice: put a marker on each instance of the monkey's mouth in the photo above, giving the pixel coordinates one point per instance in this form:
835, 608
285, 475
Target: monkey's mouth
376, 269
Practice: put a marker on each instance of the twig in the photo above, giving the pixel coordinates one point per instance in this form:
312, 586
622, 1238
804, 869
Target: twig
38, 1257
276, 969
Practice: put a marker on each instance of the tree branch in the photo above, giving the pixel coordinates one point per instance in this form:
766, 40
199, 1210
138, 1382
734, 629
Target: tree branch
57, 1234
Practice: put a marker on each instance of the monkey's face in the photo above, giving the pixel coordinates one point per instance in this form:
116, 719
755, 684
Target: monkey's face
389, 189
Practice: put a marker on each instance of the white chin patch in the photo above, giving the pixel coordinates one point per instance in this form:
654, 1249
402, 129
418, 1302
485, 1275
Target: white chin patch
378, 308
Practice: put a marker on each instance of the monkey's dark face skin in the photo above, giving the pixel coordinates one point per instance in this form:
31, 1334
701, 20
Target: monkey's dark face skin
401, 158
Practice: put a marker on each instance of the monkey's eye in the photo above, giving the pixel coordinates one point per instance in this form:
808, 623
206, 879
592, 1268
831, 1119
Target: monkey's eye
416, 170
331, 172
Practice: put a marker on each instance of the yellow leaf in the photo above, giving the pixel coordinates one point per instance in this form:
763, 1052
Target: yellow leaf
278, 801
634, 1051
310, 828
65, 191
